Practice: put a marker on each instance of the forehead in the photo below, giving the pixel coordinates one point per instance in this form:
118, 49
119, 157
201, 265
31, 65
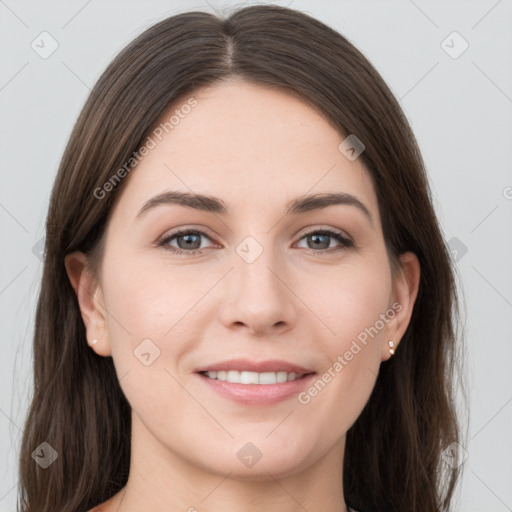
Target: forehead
252, 145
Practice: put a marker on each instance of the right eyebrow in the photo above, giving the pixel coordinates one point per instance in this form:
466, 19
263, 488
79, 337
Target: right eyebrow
189, 199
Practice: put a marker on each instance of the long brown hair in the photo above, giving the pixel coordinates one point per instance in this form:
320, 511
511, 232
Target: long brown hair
394, 451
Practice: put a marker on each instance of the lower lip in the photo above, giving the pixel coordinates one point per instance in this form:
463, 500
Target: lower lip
258, 394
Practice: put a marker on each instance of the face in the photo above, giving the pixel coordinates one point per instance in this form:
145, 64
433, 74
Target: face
249, 278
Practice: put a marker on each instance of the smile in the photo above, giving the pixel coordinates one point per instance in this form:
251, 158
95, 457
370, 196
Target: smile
256, 389
246, 377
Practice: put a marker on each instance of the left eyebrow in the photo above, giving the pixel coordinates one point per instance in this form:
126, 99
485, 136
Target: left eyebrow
317, 201
213, 204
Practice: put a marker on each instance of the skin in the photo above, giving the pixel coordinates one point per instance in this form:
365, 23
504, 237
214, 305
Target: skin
256, 148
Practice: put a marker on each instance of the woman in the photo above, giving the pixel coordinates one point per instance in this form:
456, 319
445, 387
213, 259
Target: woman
247, 303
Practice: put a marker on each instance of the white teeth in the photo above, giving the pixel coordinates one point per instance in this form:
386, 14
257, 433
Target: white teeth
232, 376
249, 377
266, 378
282, 376
253, 377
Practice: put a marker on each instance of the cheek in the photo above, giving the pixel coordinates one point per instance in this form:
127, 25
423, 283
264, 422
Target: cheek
151, 323
352, 300
148, 300
358, 297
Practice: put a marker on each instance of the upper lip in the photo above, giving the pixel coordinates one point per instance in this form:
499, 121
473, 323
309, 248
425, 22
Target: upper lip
274, 365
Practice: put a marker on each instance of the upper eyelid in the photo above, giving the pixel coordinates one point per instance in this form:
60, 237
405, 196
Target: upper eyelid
338, 231
205, 231
186, 230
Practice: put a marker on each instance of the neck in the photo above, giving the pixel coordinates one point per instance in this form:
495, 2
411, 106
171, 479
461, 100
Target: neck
161, 480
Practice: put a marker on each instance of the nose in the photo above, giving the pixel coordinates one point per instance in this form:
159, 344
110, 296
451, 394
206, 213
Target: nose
258, 297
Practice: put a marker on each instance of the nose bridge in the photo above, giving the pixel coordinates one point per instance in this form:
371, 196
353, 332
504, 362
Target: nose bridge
257, 294
254, 265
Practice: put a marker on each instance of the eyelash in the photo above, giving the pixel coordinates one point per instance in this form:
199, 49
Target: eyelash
345, 242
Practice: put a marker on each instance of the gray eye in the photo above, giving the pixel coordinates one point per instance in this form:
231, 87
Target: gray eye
189, 241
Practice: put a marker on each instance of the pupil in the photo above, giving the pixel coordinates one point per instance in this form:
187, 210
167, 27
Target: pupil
188, 240
315, 237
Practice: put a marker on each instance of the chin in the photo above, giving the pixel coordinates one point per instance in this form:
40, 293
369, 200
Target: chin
255, 461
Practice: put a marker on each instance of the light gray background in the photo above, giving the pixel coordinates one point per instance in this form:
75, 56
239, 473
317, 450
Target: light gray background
460, 109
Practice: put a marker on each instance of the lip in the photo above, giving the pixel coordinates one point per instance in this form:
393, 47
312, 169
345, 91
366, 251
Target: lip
241, 365
258, 394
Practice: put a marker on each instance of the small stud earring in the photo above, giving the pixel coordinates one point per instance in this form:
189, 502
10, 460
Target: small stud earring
93, 342
391, 349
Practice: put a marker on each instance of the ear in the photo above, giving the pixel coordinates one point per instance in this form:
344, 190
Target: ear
405, 291
90, 301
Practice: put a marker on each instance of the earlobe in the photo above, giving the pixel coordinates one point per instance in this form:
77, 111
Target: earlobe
90, 302
405, 292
